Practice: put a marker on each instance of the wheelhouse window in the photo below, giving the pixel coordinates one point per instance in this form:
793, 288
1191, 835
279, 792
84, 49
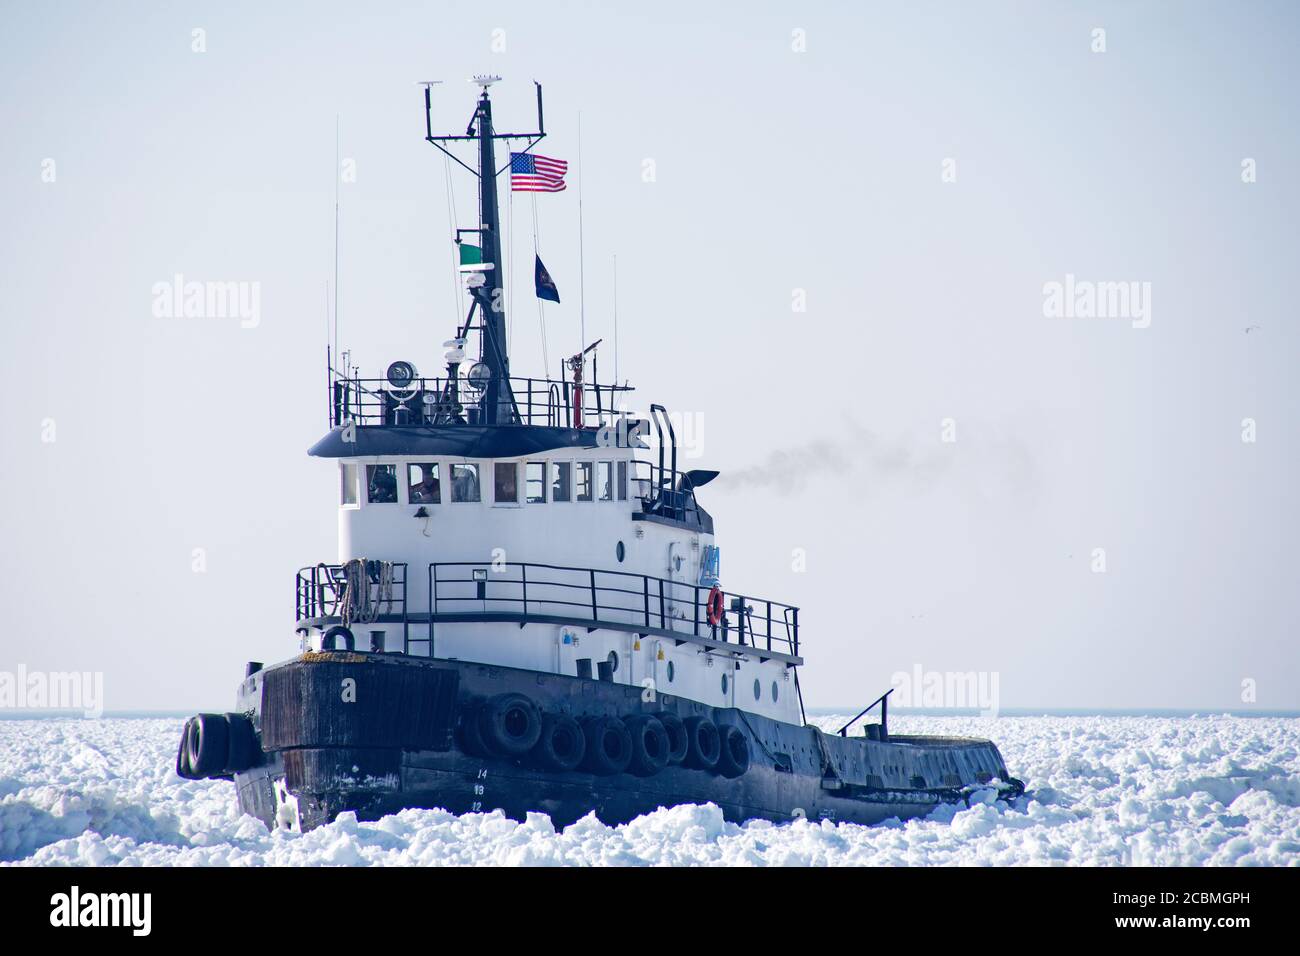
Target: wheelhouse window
535, 482
381, 484
506, 482
348, 484
605, 480
464, 483
583, 481
561, 480
423, 481
620, 483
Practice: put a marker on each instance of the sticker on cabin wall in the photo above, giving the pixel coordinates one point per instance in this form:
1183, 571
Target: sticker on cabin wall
349, 695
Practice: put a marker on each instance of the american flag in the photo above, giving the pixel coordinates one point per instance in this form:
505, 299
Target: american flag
530, 173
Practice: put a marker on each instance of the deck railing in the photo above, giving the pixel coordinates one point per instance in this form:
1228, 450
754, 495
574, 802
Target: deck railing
430, 401
466, 591
322, 591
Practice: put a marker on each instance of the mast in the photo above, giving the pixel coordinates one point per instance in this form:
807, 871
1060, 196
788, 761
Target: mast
497, 402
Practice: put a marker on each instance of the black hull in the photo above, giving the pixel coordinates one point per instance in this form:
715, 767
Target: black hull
399, 742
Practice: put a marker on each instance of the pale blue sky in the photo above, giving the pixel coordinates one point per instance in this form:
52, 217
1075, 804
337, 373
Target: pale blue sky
776, 170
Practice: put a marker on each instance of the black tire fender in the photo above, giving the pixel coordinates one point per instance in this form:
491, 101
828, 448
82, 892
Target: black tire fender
703, 743
733, 757
650, 745
509, 724
609, 745
561, 744
329, 640
677, 743
183, 768
208, 745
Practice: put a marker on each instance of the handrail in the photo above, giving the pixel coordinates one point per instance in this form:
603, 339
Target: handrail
314, 581
428, 401
596, 597
607, 596
883, 701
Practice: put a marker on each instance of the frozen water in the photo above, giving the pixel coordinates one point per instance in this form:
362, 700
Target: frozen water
1102, 791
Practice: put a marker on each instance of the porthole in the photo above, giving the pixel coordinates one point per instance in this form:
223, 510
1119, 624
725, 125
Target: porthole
724, 684
670, 672
613, 662
620, 552
758, 690
775, 691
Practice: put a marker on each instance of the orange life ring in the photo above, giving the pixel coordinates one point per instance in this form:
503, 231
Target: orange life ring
714, 605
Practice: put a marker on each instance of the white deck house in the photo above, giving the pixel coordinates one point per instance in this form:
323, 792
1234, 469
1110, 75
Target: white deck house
540, 546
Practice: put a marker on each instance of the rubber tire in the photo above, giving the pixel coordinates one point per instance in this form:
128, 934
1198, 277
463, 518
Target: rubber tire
650, 745
183, 769
733, 759
703, 743
677, 743
600, 733
471, 740
509, 724
559, 727
328, 639
208, 744
243, 752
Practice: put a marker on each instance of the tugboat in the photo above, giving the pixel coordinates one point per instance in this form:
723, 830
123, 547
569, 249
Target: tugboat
526, 612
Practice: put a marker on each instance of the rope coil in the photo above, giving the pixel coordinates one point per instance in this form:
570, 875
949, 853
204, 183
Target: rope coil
367, 590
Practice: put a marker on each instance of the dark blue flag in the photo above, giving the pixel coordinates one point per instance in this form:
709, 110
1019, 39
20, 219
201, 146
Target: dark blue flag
545, 284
